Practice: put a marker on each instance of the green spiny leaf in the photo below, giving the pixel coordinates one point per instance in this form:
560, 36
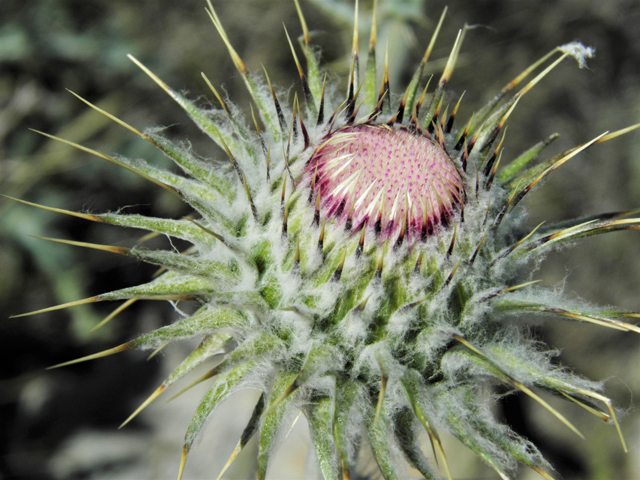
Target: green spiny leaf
380, 433
409, 444
273, 420
175, 228
207, 320
212, 344
178, 286
223, 274
195, 167
321, 414
346, 394
224, 386
507, 173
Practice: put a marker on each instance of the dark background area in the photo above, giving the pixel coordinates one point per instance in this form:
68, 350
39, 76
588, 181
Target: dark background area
62, 424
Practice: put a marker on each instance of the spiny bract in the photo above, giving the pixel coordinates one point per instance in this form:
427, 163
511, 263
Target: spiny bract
355, 261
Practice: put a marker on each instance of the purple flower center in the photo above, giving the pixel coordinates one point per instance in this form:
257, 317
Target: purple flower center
401, 184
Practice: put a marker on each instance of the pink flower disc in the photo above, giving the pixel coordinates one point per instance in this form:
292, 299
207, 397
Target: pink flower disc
404, 185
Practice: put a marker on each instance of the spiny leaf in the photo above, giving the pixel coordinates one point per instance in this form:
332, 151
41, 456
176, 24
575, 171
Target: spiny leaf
410, 92
321, 414
575, 222
409, 444
519, 306
458, 425
248, 432
346, 395
212, 270
180, 286
586, 229
183, 229
200, 117
272, 420
481, 359
181, 156
379, 432
131, 168
224, 386
207, 320
253, 88
194, 166
319, 359
489, 108
261, 344
446, 76
508, 172
211, 345
414, 388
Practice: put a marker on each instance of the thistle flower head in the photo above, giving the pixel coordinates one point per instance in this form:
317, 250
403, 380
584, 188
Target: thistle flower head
399, 182
362, 260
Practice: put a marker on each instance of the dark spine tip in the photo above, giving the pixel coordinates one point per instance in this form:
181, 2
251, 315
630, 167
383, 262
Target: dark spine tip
378, 274
431, 127
489, 182
285, 222
492, 137
307, 91
305, 134
399, 241
449, 126
336, 275
360, 247
416, 268
445, 217
465, 157
353, 116
473, 257
377, 227
296, 262
489, 165
453, 242
400, 115
449, 278
460, 143
321, 107
500, 216
472, 144
321, 113
321, 239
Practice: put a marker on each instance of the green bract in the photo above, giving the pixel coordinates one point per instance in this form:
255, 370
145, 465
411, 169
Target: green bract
372, 313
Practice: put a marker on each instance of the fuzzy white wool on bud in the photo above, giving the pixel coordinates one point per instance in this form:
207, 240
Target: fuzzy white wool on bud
578, 51
368, 275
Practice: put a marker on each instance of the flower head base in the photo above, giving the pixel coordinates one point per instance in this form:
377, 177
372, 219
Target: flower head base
401, 184
367, 275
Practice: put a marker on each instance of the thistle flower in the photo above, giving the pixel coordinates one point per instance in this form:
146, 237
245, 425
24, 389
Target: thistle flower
361, 259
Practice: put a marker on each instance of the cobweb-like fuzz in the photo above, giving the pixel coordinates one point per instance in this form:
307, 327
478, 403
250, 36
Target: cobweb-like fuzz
361, 260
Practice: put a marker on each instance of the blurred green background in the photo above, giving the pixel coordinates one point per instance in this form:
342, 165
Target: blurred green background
62, 424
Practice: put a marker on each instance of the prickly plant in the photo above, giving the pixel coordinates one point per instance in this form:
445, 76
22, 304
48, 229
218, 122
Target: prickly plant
362, 258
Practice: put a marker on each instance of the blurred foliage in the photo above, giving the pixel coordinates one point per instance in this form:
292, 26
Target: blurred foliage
47, 46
